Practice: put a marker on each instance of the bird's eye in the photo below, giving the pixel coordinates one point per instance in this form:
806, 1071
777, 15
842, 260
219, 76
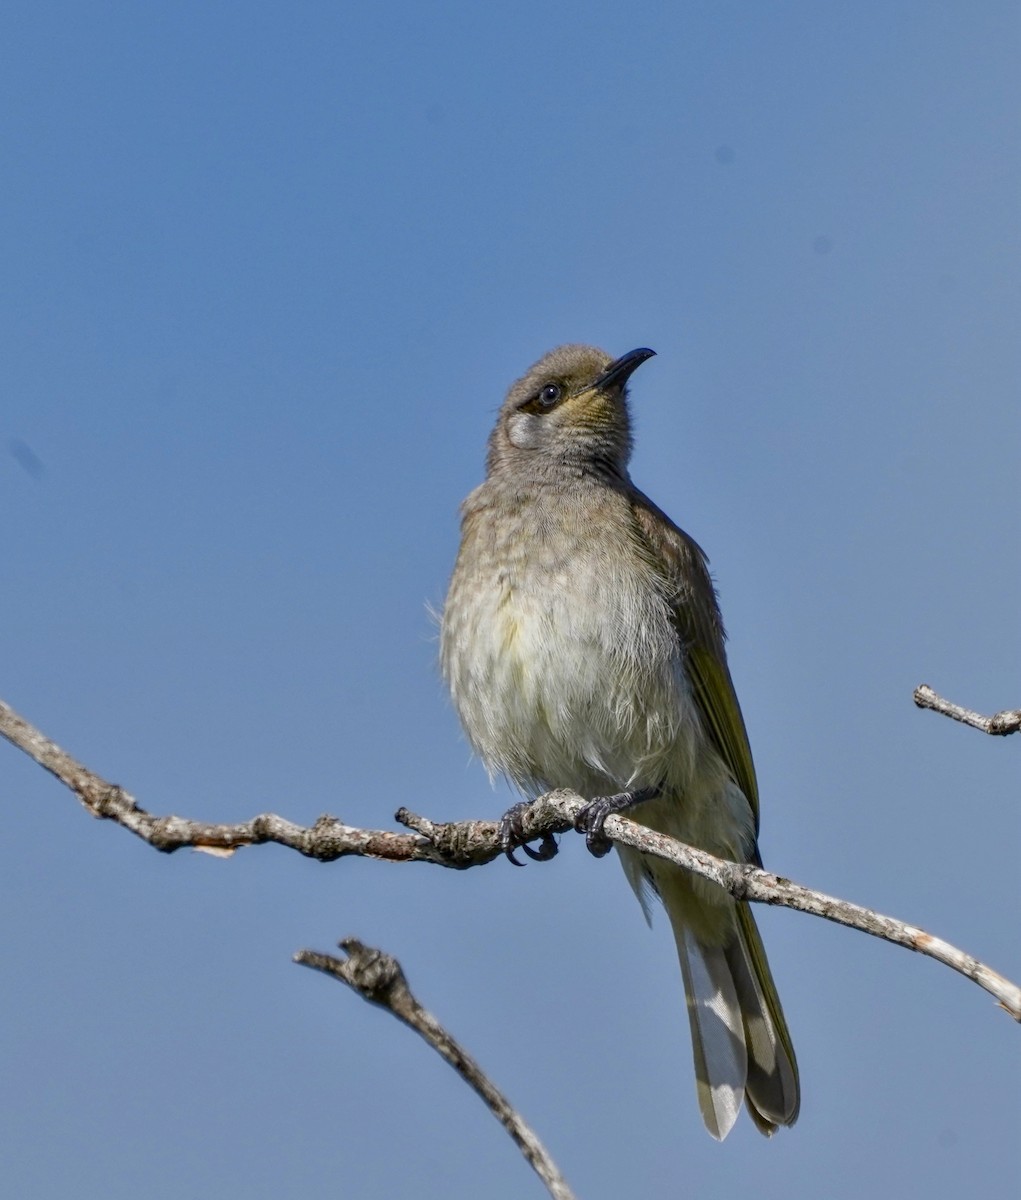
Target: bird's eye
550, 394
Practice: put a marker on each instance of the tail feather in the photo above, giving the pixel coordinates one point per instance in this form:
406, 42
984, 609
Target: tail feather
741, 1045
773, 1091
717, 1037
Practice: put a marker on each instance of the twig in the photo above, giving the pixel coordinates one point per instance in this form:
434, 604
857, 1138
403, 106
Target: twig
999, 724
473, 843
326, 840
378, 978
750, 883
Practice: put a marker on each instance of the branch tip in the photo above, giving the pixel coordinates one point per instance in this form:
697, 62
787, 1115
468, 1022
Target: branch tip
379, 978
999, 724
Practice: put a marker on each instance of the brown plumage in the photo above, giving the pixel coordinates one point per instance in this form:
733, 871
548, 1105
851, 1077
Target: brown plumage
583, 645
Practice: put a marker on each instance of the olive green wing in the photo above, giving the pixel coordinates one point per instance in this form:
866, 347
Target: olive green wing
685, 569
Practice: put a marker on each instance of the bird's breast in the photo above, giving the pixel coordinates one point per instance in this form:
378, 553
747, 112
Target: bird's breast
561, 653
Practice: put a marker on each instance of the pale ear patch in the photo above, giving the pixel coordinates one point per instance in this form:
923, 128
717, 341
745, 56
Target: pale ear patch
524, 430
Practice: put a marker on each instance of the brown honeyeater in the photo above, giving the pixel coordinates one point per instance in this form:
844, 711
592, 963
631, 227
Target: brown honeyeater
583, 646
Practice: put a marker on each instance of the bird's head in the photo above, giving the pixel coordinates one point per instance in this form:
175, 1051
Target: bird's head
569, 408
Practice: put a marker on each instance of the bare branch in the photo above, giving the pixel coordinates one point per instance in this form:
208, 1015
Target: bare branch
473, 843
378, 978
326, 840
999, 724
746, 882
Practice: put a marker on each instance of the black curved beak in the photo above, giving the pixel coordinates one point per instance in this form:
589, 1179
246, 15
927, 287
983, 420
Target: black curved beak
621, 369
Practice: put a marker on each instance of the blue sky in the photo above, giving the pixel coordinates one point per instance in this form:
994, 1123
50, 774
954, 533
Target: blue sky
266, 274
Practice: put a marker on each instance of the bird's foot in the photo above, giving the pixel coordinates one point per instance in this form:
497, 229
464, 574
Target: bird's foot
512, 837
592, 818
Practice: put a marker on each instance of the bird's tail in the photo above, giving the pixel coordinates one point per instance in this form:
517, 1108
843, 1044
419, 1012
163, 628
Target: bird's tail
739, 1037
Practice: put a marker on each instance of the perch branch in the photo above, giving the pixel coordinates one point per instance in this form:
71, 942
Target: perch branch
465, 844
378, 978
326, 840
999, 724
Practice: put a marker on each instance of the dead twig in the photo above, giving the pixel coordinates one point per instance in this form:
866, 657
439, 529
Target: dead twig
999, 724
379, 978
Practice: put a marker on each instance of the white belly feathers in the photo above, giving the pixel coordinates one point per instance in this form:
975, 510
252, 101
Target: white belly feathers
587, 694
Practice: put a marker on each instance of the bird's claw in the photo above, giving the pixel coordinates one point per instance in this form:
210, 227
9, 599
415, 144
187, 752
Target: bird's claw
512, 837
590, 822
592, 818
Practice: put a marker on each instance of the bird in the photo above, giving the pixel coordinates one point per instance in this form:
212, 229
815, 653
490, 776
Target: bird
583, 646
